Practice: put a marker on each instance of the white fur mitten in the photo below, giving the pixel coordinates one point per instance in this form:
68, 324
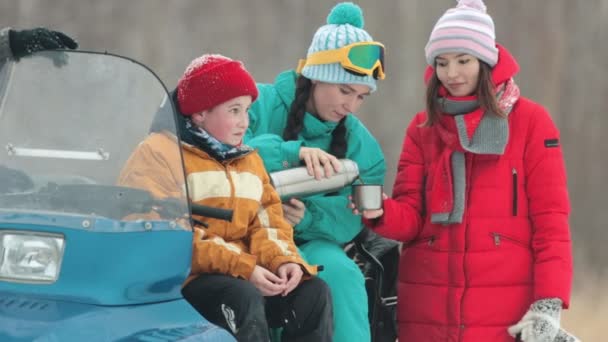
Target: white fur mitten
540, 323
564, 336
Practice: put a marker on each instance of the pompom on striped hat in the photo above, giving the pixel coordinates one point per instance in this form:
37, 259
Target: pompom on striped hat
344, 26
466, 28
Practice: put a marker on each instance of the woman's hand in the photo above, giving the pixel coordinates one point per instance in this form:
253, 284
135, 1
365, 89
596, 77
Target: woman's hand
291, 273
293, 211
318, 162
267, 282
368, 214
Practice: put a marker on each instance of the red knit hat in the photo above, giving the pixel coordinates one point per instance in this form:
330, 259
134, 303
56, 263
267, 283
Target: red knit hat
211, 80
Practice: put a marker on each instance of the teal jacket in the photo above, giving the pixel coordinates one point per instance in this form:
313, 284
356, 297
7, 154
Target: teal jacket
326, 217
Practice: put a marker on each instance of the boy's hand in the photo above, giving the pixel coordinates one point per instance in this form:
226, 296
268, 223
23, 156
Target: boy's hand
291, 273
267, 282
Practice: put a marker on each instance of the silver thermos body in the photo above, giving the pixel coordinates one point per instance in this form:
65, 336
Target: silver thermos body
296, 182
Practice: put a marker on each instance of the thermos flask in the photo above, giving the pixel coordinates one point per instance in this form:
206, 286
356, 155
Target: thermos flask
297, 182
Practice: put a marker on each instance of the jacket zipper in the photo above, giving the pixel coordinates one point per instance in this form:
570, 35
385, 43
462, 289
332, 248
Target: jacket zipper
232, 192
514, 173
465, 273
499, 237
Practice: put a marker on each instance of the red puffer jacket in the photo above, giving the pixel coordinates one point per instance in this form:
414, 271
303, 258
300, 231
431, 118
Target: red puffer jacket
470, 281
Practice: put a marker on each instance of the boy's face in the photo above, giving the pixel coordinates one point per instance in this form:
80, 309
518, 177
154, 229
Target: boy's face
227, 122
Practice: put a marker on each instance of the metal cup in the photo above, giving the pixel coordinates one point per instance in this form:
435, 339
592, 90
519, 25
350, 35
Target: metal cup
367, 196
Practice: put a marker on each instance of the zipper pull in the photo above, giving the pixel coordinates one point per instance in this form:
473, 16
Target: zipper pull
515, 185
432, 240
496, 239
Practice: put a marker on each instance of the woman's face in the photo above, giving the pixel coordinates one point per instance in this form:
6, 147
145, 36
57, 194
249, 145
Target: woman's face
332, 102
458, 73
227, 122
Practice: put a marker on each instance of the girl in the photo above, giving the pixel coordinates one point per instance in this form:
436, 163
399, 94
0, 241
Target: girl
480, 199
306, 117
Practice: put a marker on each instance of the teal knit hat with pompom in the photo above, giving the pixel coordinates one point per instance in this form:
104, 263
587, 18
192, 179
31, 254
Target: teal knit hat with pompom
344, 26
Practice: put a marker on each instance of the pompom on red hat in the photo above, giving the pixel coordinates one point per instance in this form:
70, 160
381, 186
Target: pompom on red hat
211, 80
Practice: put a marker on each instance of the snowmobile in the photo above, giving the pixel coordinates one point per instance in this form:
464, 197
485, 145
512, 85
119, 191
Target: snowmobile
82, 259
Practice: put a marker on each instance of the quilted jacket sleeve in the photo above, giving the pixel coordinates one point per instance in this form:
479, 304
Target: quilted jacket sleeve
402, 219
154, 166
272, 237
212, 254
549, 208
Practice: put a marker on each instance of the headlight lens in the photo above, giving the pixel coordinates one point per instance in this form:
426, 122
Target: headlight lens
31, 257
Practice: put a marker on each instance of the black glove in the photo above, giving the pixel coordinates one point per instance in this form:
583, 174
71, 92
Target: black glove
26, 42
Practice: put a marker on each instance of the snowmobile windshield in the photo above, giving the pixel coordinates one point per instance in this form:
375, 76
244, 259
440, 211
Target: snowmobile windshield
89, 135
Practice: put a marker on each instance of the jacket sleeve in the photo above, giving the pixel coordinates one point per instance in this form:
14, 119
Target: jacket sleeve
152, 168
549, 208
277, 153
329, 217
402, 218
271, 235
212, 254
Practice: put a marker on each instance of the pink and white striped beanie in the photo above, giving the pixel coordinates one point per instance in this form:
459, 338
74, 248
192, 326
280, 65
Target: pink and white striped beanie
466, 28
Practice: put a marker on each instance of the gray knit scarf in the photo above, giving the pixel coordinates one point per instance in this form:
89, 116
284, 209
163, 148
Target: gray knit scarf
465, 128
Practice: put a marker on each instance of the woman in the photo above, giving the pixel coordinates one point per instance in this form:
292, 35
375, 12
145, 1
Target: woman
246, 274
480, 198
306, 117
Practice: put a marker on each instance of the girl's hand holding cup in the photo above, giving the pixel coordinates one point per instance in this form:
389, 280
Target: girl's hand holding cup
366, 200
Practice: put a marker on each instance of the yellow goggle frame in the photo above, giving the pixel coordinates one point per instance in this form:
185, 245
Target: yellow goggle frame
362, 58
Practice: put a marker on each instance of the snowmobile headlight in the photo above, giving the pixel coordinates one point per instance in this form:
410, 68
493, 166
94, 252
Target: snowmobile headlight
30, 257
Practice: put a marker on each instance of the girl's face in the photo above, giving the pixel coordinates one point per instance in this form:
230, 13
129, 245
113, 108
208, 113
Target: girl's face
227, 122
458, 73
332, 102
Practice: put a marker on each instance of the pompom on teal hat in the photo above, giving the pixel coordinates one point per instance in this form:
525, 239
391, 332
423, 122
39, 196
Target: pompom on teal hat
344, 26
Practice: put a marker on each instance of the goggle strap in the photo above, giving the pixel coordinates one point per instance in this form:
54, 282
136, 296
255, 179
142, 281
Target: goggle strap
301, 65
324, 57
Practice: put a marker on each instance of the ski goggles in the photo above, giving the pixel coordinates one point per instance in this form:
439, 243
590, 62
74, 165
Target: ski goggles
361, 59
